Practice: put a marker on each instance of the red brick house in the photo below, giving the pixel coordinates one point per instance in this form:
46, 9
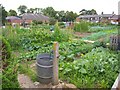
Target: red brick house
29, 17
14, 19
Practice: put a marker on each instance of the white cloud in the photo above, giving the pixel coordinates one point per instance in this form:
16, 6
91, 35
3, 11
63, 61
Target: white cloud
107, 6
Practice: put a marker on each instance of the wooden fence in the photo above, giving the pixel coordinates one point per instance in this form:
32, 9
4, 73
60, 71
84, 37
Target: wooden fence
115, 42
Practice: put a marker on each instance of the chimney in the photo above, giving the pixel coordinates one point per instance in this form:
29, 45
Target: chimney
101, 13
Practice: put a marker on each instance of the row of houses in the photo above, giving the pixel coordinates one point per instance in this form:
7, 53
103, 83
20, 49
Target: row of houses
111, 18
27, 18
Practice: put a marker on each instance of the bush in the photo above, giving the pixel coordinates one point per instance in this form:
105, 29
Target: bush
9, 75
35, 22
52, 21
36, 36
12, 36
82, 26
6, 48
61, 35
84, 72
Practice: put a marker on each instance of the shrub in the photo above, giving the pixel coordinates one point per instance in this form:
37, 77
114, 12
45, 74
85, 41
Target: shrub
61, 35
82, 26
12, 36
9, 75
35, 22
61, 24
52, 21
6, 48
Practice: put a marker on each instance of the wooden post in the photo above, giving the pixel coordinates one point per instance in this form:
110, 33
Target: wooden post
55, 63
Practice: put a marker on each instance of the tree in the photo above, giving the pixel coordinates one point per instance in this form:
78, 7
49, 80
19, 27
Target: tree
70, 16
12, 13
60, 15
28, 10
22, 9
32, 10
3, 15
93, 12
102, 13
83, 12
88, 12
49, 11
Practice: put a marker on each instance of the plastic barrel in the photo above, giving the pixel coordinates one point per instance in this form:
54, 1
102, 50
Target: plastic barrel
44, 66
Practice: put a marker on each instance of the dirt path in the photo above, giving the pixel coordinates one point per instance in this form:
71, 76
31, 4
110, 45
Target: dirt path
25, 82
78, 34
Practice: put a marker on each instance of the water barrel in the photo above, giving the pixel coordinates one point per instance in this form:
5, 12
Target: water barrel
44, 66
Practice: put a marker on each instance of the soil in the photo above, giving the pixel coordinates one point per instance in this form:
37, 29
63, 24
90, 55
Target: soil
81, 35
26, 82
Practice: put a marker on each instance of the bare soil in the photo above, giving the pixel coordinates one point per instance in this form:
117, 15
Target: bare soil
26, 82
80, 35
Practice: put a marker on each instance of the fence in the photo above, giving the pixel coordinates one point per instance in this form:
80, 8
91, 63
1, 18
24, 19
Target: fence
115, 42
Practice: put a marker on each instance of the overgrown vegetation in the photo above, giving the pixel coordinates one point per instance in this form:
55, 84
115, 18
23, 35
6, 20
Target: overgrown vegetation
84, 72
9, 66
80, 63
82, 26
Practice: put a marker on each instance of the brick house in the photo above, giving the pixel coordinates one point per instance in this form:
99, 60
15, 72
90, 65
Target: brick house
115, 19
95, 18
14, 19
29, 17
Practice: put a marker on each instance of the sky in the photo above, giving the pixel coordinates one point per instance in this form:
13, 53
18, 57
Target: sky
106, 6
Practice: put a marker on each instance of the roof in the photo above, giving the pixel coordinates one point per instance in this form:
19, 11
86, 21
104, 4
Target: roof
116, 17
13, 18
107, 15
92, 16
88, 16
32, 16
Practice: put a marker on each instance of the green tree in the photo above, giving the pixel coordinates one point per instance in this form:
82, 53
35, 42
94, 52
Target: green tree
70, 16
93, 12
32, 10
83, 12
22, 9
28, 10
12, 13
61, 15
49, 11
88, 12
3, 15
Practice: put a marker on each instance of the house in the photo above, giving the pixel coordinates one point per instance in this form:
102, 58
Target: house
115, 19
95, 18
29, 17
106, 17
14, 20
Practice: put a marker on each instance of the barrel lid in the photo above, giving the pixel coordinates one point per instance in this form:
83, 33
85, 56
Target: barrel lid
44, 56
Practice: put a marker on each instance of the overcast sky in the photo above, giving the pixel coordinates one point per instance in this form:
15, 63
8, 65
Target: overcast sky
107, 6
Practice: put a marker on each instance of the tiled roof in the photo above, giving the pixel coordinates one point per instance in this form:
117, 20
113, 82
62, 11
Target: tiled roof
31, 16
13, 18
88, 16
92, 16
107, 15
115, 17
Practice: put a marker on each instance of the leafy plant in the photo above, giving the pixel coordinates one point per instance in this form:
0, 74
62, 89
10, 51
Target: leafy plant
82, 26
84, 72
9, 75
